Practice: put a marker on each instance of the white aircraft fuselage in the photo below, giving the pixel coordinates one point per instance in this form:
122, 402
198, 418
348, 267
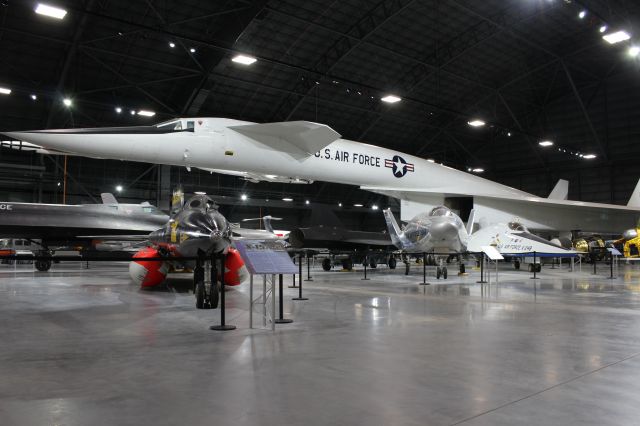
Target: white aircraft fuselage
299, 152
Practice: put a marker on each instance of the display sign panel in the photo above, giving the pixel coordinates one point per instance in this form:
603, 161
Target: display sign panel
266, 257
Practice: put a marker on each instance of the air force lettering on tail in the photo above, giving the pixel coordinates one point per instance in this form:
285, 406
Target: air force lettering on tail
398, 164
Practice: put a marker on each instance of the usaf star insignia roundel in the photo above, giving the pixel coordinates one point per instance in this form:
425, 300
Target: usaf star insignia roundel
399, 166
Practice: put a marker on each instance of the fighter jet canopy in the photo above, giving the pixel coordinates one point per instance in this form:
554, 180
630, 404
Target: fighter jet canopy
200, 202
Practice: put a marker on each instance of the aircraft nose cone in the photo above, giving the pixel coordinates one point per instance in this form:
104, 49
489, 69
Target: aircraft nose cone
444, 231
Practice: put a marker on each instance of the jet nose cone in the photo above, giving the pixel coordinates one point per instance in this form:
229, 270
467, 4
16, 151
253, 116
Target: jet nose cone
444, 230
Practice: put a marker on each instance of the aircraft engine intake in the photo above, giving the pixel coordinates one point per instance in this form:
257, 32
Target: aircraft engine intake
297, 238
147, 273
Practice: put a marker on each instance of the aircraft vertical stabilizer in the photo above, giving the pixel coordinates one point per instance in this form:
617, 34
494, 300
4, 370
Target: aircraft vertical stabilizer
108, 198
470, 222
560, 191
397, 236
634, 201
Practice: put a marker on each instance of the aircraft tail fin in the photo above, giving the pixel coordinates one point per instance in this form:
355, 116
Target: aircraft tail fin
470, 222
560, 191
267, 221
108, 198
634, 201
177, 200
397, 236
323, 215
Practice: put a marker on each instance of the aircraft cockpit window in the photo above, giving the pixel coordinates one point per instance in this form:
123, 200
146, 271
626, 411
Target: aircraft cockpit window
175, 125
191, 125
440, 211
517, 226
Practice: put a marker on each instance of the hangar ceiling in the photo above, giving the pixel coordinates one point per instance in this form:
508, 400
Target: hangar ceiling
532, 70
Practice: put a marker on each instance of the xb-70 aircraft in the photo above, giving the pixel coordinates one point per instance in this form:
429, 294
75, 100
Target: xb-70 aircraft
303, 151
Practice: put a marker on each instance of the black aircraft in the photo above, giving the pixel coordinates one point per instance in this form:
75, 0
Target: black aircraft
344, 245
59, 226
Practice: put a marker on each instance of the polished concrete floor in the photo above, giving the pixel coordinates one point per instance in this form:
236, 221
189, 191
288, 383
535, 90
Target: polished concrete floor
86, 347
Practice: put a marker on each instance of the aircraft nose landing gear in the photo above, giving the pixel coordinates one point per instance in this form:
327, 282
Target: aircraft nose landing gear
205, 285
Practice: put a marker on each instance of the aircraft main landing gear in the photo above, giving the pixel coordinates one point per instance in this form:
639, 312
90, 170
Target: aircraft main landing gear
441, 271
326, 264
43, 265
205, 286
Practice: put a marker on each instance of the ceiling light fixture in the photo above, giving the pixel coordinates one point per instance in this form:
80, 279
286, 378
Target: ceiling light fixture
34, 97
288, 200
119, 188
118, 110
545, 143
391, 99
617, 37
5, 91
192, 50
132, 112
357, 205
244, 59
478, 170
634, 51
50, 11
582, 14
172, 45
589, 156
243, 197
476, 123
306, 202
339, 204
67, 102
200, 193
374, 207
146, 113
603, 28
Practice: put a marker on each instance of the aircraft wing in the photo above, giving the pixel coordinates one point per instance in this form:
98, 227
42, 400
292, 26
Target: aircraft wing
535, 212
258, 177
299, 139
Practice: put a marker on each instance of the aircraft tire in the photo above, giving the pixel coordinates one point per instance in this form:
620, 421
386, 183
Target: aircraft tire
214, 297
444, 273
538, 267
391, 263
200, 299
326, 264
43, 265
438, 272
373, 264
347, 264
462, 268
516, 264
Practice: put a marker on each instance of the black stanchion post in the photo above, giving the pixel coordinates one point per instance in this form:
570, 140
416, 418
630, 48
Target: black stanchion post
482, 281
294, 275
535, 267
308, 269
282, 319
300, 283
223, 326
365, 269
611, 264
424, 269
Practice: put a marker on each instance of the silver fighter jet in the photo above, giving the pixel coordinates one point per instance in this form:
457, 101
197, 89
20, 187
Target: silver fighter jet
439, 231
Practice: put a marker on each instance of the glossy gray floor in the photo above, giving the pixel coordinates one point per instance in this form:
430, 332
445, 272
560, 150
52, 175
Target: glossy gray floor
86, 347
